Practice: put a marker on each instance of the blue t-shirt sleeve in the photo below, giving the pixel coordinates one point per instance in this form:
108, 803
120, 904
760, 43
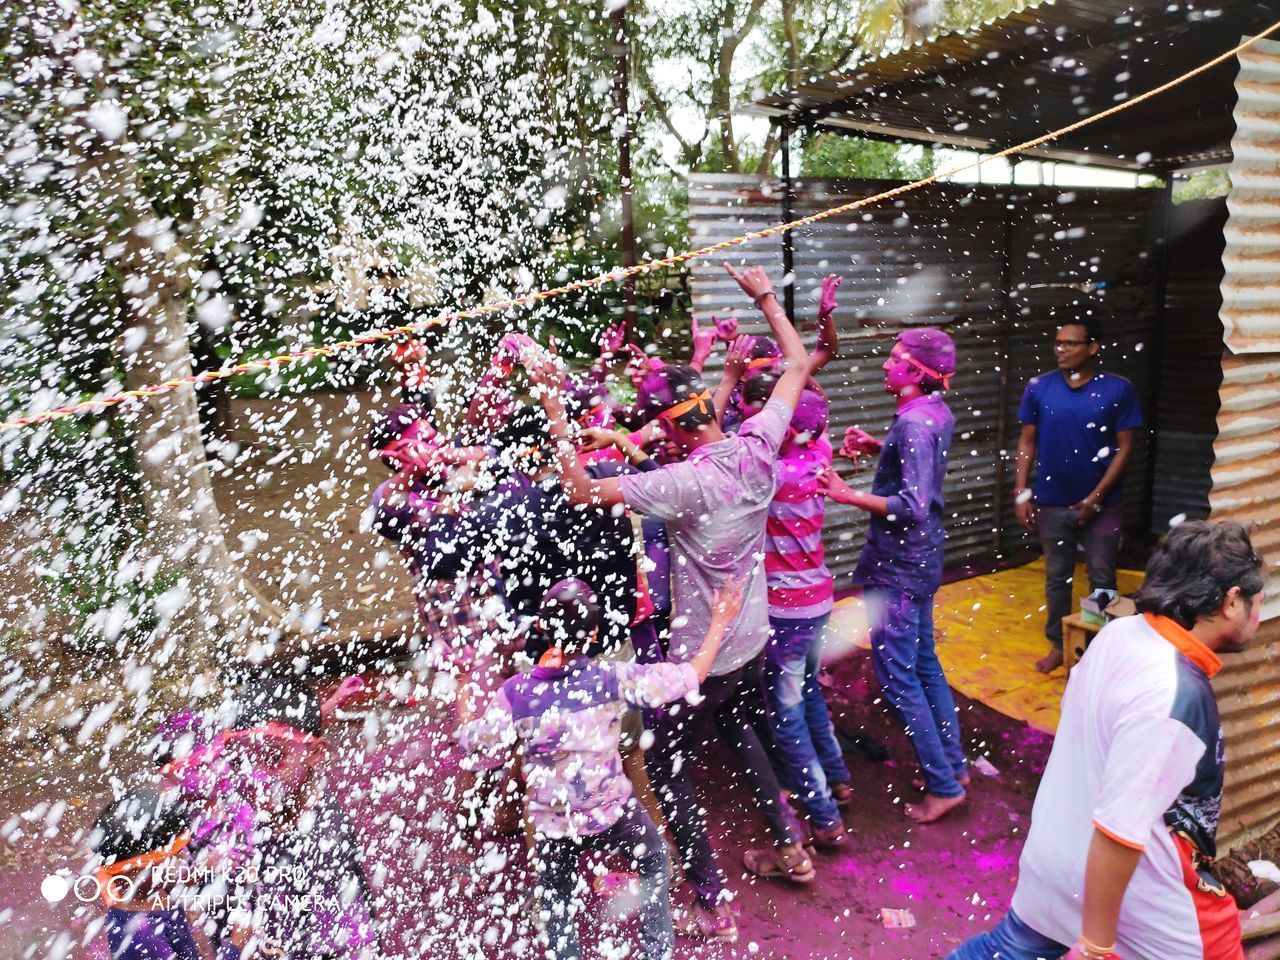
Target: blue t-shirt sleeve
1128, 410
1029, 408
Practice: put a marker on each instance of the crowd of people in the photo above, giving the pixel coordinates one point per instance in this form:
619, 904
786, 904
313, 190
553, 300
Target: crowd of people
612, 586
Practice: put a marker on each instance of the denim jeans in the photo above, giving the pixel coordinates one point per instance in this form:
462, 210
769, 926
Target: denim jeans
798, 715
634, 837
732, 700
1010, 940
1060, 535
907, 667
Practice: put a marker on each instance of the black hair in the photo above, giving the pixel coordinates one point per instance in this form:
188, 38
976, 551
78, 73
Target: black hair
569, 615
663, 389
280, 697
1194, 566
757, 390
143, 820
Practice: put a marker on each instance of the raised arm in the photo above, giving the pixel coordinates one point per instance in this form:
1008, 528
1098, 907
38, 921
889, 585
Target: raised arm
579, 486
735, 364
726, 603
795, 359
828, 346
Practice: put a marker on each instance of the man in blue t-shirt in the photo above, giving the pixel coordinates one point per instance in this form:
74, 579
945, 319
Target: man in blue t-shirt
1078, 424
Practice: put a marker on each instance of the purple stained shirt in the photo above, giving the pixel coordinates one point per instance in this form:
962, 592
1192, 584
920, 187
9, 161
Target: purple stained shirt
904, 550
155, 935
715, 505
569, 719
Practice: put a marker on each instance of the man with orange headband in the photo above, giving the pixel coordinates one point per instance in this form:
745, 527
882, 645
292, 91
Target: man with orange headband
715, 503
900, 568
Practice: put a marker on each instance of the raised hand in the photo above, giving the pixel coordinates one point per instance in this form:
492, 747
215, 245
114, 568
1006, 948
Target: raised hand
511, 350
755, 283
611, 341
600, 438
726, 328
704, 339
739, 355
827, 305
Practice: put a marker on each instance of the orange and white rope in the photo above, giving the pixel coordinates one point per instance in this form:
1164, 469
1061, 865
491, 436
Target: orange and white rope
614, 276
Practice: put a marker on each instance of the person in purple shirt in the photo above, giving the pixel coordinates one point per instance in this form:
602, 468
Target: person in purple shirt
900, 567
1078, 425
567, 715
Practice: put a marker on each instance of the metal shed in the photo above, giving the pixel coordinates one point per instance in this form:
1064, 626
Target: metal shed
1196, 287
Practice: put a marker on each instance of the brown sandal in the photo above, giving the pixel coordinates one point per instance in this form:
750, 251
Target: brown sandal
698, 922
773, 862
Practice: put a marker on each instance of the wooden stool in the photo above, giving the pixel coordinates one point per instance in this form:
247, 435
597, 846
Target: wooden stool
1076, 636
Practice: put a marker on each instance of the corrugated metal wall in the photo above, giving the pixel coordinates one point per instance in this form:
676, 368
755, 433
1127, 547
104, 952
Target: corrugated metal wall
924, 259
1191, 371
1246, 483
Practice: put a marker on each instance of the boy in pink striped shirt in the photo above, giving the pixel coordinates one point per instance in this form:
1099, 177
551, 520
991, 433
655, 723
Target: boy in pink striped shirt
801, 594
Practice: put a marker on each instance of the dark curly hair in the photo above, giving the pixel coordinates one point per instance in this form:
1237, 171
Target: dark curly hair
1194, 567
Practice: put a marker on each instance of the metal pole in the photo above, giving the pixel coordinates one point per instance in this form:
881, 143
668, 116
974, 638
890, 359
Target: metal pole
1159, 336
1002, 357
788, 214
621, 89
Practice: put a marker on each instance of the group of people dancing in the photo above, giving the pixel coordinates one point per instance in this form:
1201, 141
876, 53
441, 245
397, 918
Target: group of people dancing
604, 589
671, 580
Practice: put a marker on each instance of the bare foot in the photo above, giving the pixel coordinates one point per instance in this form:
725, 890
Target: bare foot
964, 781
931, 808
1051, 661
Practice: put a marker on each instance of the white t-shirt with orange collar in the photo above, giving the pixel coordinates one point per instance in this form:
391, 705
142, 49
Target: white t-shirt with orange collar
1138, 755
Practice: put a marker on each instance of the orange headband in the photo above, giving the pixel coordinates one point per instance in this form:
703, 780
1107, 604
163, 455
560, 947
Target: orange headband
700, 401
943, 378
104, 875
759, 362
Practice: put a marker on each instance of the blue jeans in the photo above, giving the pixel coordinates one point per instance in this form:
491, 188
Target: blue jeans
1010, 940
634, 836
907, 667
798, 715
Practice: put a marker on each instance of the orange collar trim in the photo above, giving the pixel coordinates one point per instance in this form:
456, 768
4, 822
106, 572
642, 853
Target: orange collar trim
1185, 641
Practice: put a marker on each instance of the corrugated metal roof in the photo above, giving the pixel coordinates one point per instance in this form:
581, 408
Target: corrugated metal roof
1042, 68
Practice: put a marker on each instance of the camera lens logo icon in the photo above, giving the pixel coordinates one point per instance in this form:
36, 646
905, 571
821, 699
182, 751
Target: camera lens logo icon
54, 888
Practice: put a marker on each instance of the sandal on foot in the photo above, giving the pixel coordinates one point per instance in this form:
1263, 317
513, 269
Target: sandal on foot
842, 793
702, 924
833, 836
773, 862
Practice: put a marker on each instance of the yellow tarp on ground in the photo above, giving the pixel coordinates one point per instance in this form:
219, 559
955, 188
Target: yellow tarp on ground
990, 633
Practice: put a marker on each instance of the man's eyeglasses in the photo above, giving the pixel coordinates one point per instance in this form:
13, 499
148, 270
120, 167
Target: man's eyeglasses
1068, 344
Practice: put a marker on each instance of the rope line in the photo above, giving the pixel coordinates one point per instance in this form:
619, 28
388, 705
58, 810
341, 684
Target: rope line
614, 276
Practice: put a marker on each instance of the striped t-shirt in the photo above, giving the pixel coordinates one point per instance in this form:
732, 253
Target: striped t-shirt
800, 585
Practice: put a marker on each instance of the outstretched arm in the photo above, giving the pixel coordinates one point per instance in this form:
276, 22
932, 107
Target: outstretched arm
579, 486
735, 363
795, 359
828, 346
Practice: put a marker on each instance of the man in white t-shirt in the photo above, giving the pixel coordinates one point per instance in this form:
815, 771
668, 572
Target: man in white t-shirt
1125, 820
